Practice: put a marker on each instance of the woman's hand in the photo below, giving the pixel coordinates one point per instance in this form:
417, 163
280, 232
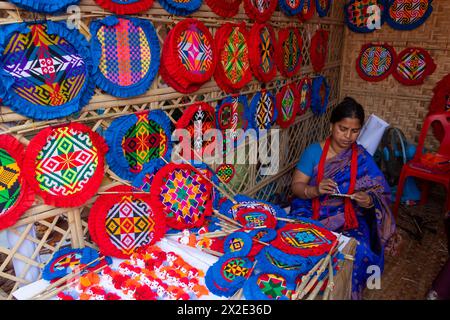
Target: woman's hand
327, 186
362, 199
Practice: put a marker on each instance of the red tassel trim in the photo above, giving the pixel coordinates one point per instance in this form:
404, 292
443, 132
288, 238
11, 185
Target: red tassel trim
319, 49
224, 8
98, 214
254, 14
89, 189
26, 196
222, 38
283, 35
132, 8
255, 52
296, 104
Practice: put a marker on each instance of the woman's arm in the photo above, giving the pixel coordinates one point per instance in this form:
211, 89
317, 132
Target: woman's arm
301, 189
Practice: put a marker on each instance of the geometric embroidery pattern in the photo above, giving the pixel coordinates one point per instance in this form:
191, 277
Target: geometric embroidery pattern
235, 244
234, 56
46, 68
267, 50
272, 285
264, 111
225, 172
304, 238
234, 268
10, 186
287, 105
305, 88
66, 163
67, 261
129, 224
291, 52
412, 66
357, 14
407, 12
195, 50
126, 56
144, 141
376, 62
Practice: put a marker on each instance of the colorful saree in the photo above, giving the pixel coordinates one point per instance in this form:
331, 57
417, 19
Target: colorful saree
375, 225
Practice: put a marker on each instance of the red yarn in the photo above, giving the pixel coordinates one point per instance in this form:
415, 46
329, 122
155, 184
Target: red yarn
132, 8
319, 49
224, 8
255, 52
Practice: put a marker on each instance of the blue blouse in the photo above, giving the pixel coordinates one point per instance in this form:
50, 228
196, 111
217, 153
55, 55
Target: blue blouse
309, 159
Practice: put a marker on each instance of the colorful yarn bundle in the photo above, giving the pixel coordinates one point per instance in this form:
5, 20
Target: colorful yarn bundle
123, 7
65, 164
262, 49
125, 54
190, 56
121, 221
50, 88
288, 103
16, 196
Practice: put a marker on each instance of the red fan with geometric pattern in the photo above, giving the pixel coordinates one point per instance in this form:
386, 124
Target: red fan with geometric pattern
413, 66
260, 10
123, 221
319, 49
262, 47
289, 51
288, 102
304, 88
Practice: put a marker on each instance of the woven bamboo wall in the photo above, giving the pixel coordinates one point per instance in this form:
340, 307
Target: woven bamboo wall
402, 106
58, 227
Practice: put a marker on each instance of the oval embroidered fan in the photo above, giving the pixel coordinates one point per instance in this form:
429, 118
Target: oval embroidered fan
413, 66
65, 164
122, 222
262, 110
125, 6
224, 8
376, 62
232, 116
319, 49
360, 15
407, 14
136, 139
233, 69
260, 10
197, 119
305, 89
320, 95
262, 49
288, 101
126, 55
181, 7
323, 7
291, 7
183, 194
46, 70
308, 9
45, 6
289, 52
190, 57
268, 286
16, 196
304, 239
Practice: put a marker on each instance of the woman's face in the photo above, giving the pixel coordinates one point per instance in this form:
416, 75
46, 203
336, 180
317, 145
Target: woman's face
345, 132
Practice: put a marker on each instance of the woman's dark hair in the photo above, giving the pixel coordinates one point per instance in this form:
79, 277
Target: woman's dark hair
348, 108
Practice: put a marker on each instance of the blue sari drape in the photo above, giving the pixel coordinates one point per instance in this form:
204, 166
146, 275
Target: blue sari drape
376, 225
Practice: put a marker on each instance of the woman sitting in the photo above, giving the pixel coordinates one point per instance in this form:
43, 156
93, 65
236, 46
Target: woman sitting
338, 183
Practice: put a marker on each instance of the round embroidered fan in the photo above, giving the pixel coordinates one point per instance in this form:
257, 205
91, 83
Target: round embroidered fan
16, 196
125, 54
305, 89
183, 194
308, 9
230, 272
358, 13
125, 6
65, 260
414, 65
251, 213
237, 244
320, 95
233, 69
45, 69
224, 8
304, 239
288, 102
262, 47
376, 62
136, 139
289, 52
181, 7
323, 7
65, 164
263, 111
232, 117
440, 103
190, 56
268, 286
407, 14
226, 172
260, 10
122, 221
319, 49
197, 119
291, 7
45, 6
